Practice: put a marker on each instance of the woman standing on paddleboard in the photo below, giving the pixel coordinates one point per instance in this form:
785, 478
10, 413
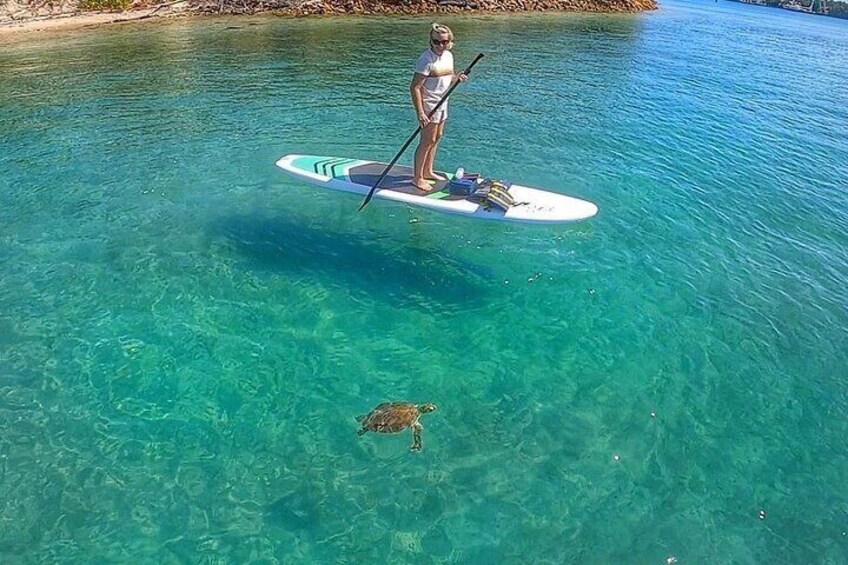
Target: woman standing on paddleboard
433, 77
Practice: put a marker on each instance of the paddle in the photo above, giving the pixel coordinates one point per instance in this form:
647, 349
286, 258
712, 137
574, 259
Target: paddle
411, 137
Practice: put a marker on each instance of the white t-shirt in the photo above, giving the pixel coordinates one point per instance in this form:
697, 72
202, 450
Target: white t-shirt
439, 72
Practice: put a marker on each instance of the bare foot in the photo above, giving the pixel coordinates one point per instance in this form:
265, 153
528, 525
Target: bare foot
435, 176
422, 185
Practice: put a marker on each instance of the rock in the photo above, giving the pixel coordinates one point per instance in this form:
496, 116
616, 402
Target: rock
22, 10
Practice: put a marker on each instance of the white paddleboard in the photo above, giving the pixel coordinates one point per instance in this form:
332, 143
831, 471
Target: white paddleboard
353, 175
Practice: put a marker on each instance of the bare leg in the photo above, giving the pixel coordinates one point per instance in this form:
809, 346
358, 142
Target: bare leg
416, 437
431, 154
425, 146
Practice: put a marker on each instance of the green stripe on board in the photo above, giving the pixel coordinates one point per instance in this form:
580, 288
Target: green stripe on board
330, 163
308, 162
342, 163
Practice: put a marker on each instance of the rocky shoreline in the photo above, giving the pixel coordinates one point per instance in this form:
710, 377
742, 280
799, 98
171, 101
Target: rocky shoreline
307, 7
37, 15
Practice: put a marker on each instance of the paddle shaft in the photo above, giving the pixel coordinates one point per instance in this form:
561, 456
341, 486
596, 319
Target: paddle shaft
411, 137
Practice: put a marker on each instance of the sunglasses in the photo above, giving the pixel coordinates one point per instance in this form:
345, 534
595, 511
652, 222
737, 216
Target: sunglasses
440, 42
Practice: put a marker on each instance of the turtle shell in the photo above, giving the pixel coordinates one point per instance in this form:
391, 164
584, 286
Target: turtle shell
391, 417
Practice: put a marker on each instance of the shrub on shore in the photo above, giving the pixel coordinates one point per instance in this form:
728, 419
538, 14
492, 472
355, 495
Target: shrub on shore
105, 5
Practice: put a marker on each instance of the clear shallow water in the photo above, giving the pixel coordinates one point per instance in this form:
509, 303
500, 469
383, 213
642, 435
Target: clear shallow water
186, 335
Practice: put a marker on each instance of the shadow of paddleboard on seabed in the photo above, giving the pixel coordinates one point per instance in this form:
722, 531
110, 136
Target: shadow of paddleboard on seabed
360, 262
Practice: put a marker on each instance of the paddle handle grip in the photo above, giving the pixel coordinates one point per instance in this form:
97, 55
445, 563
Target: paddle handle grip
474, 62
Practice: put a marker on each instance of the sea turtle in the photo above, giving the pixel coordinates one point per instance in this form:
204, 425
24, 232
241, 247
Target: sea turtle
393, 417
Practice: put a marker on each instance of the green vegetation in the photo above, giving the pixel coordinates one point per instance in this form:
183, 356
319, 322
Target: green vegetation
104, 4
837, 9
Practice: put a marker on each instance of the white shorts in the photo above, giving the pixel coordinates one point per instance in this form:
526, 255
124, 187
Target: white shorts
441, 114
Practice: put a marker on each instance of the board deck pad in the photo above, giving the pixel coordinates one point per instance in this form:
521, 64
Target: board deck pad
358, 176
398, 179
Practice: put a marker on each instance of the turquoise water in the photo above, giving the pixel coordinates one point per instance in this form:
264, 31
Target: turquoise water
186, 334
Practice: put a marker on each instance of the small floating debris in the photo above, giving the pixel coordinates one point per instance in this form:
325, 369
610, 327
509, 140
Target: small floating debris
762, 515
671, 560
616, 457
591, 291
414, 220
653, 414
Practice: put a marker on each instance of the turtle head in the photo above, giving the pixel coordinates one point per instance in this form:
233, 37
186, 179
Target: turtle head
429, 407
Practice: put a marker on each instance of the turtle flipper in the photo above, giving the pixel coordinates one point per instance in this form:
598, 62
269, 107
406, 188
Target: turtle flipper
416, 437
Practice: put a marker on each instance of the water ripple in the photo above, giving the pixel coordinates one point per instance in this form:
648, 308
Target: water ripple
186, 335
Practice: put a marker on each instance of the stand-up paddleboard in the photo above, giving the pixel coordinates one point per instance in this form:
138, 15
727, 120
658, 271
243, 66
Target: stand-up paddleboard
352, 175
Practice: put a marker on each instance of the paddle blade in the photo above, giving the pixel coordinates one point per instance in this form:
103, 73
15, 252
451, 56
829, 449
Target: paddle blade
370, 194
364, 202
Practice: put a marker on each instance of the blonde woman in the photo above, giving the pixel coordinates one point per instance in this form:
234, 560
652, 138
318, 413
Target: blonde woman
433, 76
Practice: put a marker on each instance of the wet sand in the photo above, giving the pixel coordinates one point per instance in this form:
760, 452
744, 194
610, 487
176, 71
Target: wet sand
51, 24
